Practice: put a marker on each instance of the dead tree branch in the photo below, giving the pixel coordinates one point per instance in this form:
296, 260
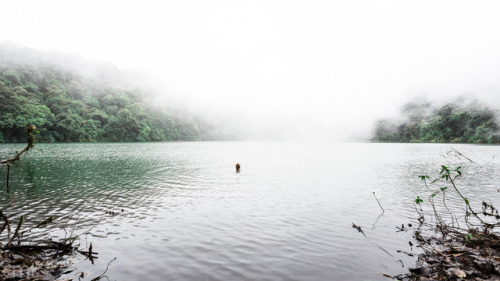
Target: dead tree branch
31, 134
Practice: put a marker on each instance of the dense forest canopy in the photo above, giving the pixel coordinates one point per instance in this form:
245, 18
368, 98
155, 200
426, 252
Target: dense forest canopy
459, 121
71, 100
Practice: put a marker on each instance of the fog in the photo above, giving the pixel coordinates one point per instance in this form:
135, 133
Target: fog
269, 69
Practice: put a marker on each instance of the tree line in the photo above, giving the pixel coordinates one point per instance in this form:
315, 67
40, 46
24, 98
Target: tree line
53, 93
451, 122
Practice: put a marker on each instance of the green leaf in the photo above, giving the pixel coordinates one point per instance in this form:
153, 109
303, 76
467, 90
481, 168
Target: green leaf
467, 237
444, 169
423, 177
466, 201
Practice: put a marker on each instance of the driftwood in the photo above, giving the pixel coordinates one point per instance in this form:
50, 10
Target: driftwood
55, 246
35, 260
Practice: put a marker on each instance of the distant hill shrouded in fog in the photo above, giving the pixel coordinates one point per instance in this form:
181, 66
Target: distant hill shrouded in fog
71, 100
453, 122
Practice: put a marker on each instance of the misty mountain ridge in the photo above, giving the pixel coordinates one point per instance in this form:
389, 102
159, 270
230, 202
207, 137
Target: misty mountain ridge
70, 99
462, 120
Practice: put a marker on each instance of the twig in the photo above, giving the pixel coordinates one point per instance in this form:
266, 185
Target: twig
16, 233
87, 253
7, 223
444, 204
383, 211
65, 225
463, 198
85, 232
438, 218
359, 229
431, 200
362, 232
421, 219
39, 225
460, 154
45, 222
102, 275
74, 227
8, 174
39, 247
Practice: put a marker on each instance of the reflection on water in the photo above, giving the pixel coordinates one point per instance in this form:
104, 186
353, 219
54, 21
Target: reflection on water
187, 215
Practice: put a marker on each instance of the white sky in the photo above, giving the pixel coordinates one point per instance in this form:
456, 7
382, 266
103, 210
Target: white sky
319, 68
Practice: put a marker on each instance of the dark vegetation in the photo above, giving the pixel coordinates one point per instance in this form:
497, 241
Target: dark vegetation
464, 243
42, 259
29, 259
72, 100
456, 122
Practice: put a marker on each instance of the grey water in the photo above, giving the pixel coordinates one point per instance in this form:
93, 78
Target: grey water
181, 212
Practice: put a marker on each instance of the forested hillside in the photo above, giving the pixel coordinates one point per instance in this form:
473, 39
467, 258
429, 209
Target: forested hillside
70, 100
452, 122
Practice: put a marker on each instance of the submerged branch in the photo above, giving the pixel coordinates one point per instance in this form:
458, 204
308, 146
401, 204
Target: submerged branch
31, 134
15, 158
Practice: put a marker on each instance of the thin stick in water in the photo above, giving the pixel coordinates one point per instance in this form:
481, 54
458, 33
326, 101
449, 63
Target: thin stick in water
383, 211
8, 174
102, 275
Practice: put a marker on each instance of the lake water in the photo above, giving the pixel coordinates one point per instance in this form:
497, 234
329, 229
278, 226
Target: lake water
187, 215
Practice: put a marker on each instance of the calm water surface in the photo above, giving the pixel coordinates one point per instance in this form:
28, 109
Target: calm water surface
287, 216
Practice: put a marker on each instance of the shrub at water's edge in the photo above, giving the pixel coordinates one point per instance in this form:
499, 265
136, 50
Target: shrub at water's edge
55, 92
452, 122
464, 244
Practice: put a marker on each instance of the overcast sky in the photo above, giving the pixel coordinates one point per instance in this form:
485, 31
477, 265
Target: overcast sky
318, 68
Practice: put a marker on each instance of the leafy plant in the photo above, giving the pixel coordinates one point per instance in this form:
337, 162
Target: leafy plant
450, 175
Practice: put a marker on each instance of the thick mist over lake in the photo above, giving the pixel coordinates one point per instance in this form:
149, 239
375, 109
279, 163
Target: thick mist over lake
279, 69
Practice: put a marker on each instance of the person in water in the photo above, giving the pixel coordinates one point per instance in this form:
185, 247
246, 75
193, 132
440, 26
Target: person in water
238, 167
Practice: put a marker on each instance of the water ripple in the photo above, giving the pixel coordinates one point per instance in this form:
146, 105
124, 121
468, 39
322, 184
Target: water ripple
178, 211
